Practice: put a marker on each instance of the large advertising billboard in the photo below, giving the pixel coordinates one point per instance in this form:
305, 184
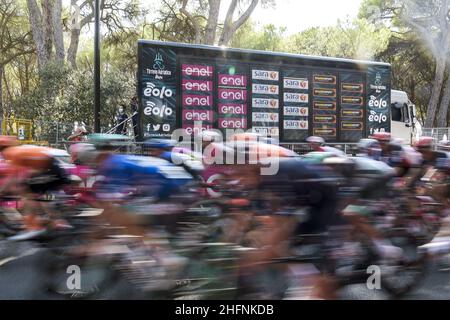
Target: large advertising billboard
289, 97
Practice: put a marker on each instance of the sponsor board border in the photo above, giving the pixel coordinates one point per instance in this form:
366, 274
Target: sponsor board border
361, 85
361, 111
324, 115
324, 75
322, 96
359, 129
361, 103
321, 108
325, 135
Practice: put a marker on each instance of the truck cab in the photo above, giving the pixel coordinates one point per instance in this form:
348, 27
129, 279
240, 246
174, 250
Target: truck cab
403, 117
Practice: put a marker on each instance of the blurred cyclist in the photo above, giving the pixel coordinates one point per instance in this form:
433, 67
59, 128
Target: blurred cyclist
166, 149
316, 143
369, 148
45, 174
6, 142
274, 202
129, 179
405, 161
435, 167
6, 171
425, 146
82, 156
444, 145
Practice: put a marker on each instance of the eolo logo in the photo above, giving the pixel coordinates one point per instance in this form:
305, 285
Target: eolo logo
153, 110
153, 91
377, 103
377, 117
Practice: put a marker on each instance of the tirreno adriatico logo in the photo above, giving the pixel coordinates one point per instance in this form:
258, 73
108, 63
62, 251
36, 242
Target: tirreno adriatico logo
378, 79
158, 63
158, 69
378, 86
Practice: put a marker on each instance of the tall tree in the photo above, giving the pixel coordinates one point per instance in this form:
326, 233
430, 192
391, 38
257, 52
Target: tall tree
201, 17
14, 38
231, 25
58, 35
37, 29
429, 21
116, 16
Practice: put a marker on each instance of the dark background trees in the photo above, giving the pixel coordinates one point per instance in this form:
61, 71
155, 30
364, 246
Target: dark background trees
46, 49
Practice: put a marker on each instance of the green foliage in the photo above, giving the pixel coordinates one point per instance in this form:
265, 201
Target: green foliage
61, 94
64, 96
269, 37
355, 40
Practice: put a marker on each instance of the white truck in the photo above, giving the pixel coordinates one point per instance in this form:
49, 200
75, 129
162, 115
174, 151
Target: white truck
404, 124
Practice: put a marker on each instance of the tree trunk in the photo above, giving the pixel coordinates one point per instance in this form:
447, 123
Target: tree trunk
229, 29
435, 92
228, 21
211, 25
47, 20
75, 29
58, 31
194, 22
8, 90
35, 18
1, 91
443, 109
74, 34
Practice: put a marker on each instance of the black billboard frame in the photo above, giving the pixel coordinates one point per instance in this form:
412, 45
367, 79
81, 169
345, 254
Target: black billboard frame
282, 60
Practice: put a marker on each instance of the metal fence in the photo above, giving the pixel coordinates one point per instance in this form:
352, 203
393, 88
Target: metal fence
57, 134
437, 133
139, 148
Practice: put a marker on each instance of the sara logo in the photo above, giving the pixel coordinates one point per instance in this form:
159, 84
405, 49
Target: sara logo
158, 63
152, 91
153, 110
377, 117
265, 89
377, 103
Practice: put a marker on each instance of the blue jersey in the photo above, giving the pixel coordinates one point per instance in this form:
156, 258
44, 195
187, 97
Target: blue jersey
443, 161
146, 176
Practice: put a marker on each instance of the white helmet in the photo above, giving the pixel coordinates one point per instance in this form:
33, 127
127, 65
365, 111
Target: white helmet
82, 152
315, 139
366, 143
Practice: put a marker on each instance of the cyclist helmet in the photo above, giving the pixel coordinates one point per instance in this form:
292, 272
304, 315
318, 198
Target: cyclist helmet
424, 143
366, 144
382, 136
107, 140
315, 139
80, 152
29, 156
166, 144
398, 141
8, 141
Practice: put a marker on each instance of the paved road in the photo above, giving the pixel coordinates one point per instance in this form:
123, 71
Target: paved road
22, 278
22, 268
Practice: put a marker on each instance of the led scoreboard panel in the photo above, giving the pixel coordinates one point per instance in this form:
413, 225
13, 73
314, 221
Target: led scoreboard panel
286, 96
